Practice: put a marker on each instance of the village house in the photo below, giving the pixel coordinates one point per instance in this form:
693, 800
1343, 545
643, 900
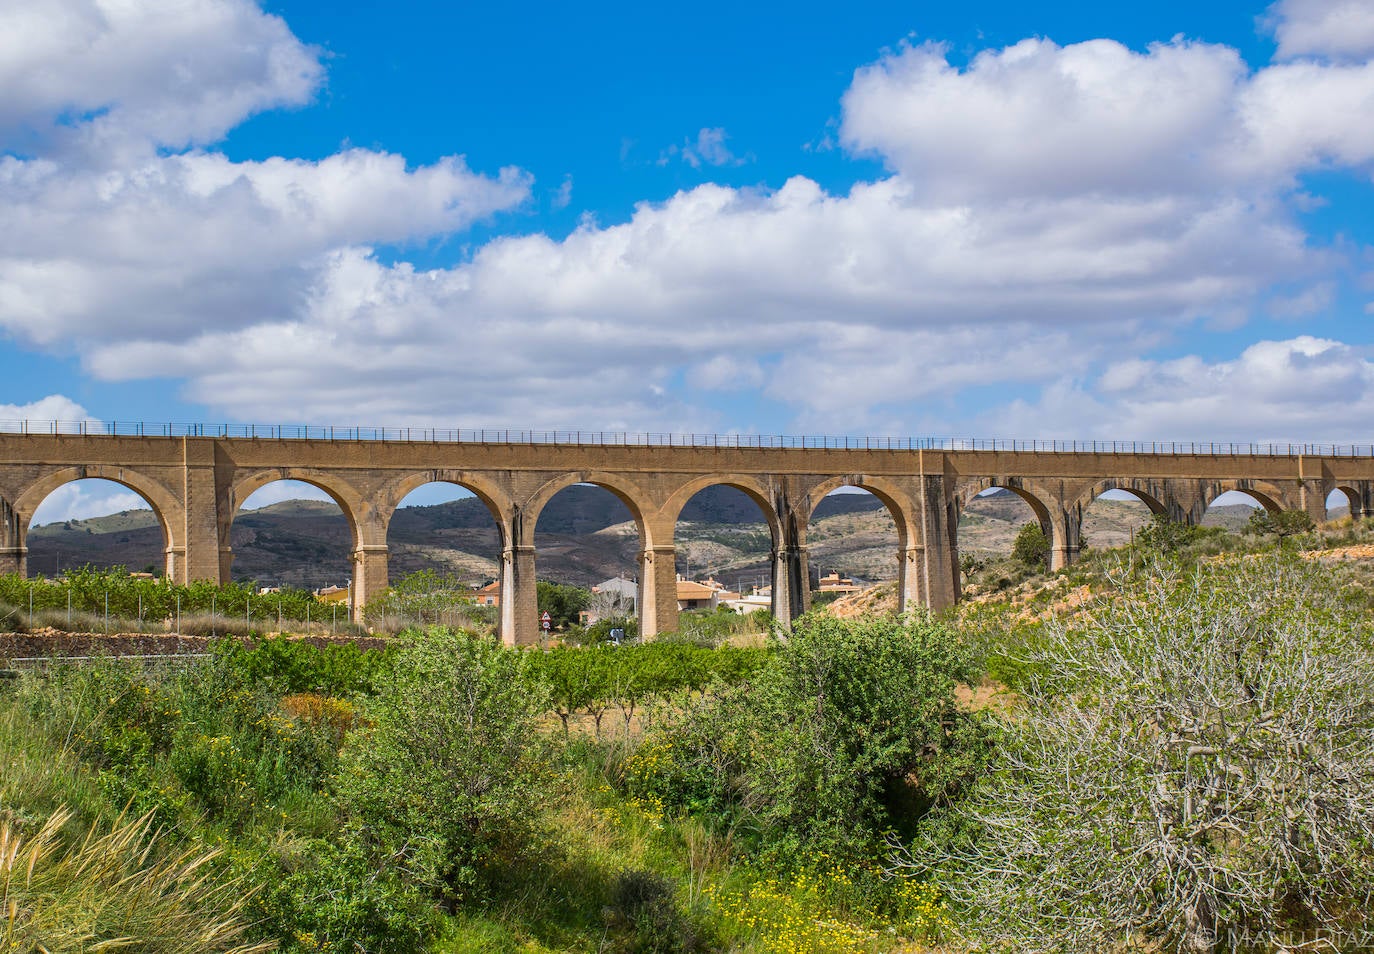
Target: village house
489, 595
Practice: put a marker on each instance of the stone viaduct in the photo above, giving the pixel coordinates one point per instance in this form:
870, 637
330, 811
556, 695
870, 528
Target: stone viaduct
195, 485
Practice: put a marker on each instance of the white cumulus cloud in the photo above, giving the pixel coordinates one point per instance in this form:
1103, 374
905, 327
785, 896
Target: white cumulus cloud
101, 75
83, 499
50, 409
1334, 28
1304, 389
1048, 210
175, 244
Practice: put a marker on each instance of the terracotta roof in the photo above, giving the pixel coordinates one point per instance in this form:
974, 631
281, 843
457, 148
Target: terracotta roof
690, 590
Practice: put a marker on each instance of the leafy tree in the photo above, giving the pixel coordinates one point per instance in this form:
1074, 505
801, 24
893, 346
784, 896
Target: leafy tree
446, 781
1283, 524
1194, 764
573, 679
424, 596
1163, 535
1032, 547
564, 603
600, 631
970, 564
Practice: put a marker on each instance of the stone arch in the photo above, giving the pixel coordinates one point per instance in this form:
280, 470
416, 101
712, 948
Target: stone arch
896, 502
492, 495
1355, 495
1036, 497
1052, 519
168, 510
904, 517
1270, 496
1150, 496
632, 496
339, 490
789, 571
752, 488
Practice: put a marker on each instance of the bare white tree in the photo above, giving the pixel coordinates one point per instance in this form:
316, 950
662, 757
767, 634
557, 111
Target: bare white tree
1193, 770
609, 603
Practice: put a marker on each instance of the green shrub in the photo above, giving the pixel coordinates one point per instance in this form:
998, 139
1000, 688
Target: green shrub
195, 740
1193, 765
321, 896
563, 603
1031, 547
1282, 525
810, 755
1162, 535
600, 631
446, 781
283, 666
644, 908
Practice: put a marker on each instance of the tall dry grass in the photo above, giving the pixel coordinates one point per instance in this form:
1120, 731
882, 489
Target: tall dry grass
114, 889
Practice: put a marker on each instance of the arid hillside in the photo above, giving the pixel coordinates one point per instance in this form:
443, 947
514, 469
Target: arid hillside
584, 535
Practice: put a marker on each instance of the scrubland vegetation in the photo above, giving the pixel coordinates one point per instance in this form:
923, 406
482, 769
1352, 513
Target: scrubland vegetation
1169, 747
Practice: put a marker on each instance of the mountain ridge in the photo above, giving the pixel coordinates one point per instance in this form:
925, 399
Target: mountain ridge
585, 535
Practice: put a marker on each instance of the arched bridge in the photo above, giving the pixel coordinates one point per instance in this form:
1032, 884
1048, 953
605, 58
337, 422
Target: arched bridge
196, 483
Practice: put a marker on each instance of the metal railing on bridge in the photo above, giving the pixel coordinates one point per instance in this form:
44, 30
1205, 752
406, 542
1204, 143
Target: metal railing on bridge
311, 432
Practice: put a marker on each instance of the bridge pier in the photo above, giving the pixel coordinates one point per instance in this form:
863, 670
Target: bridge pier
174, 564
14, 560
1066, 543
369, 575
519, 597
1362, 500
1063, 556
657, 603
1311, 500
909, 561
936, 522
197, 542
791, 589
13, 553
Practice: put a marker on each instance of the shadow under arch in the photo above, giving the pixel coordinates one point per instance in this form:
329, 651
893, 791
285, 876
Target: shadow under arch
164, 504
631, 496
896, 502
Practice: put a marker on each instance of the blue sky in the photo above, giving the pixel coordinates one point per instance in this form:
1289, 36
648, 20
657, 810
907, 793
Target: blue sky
1016, 220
